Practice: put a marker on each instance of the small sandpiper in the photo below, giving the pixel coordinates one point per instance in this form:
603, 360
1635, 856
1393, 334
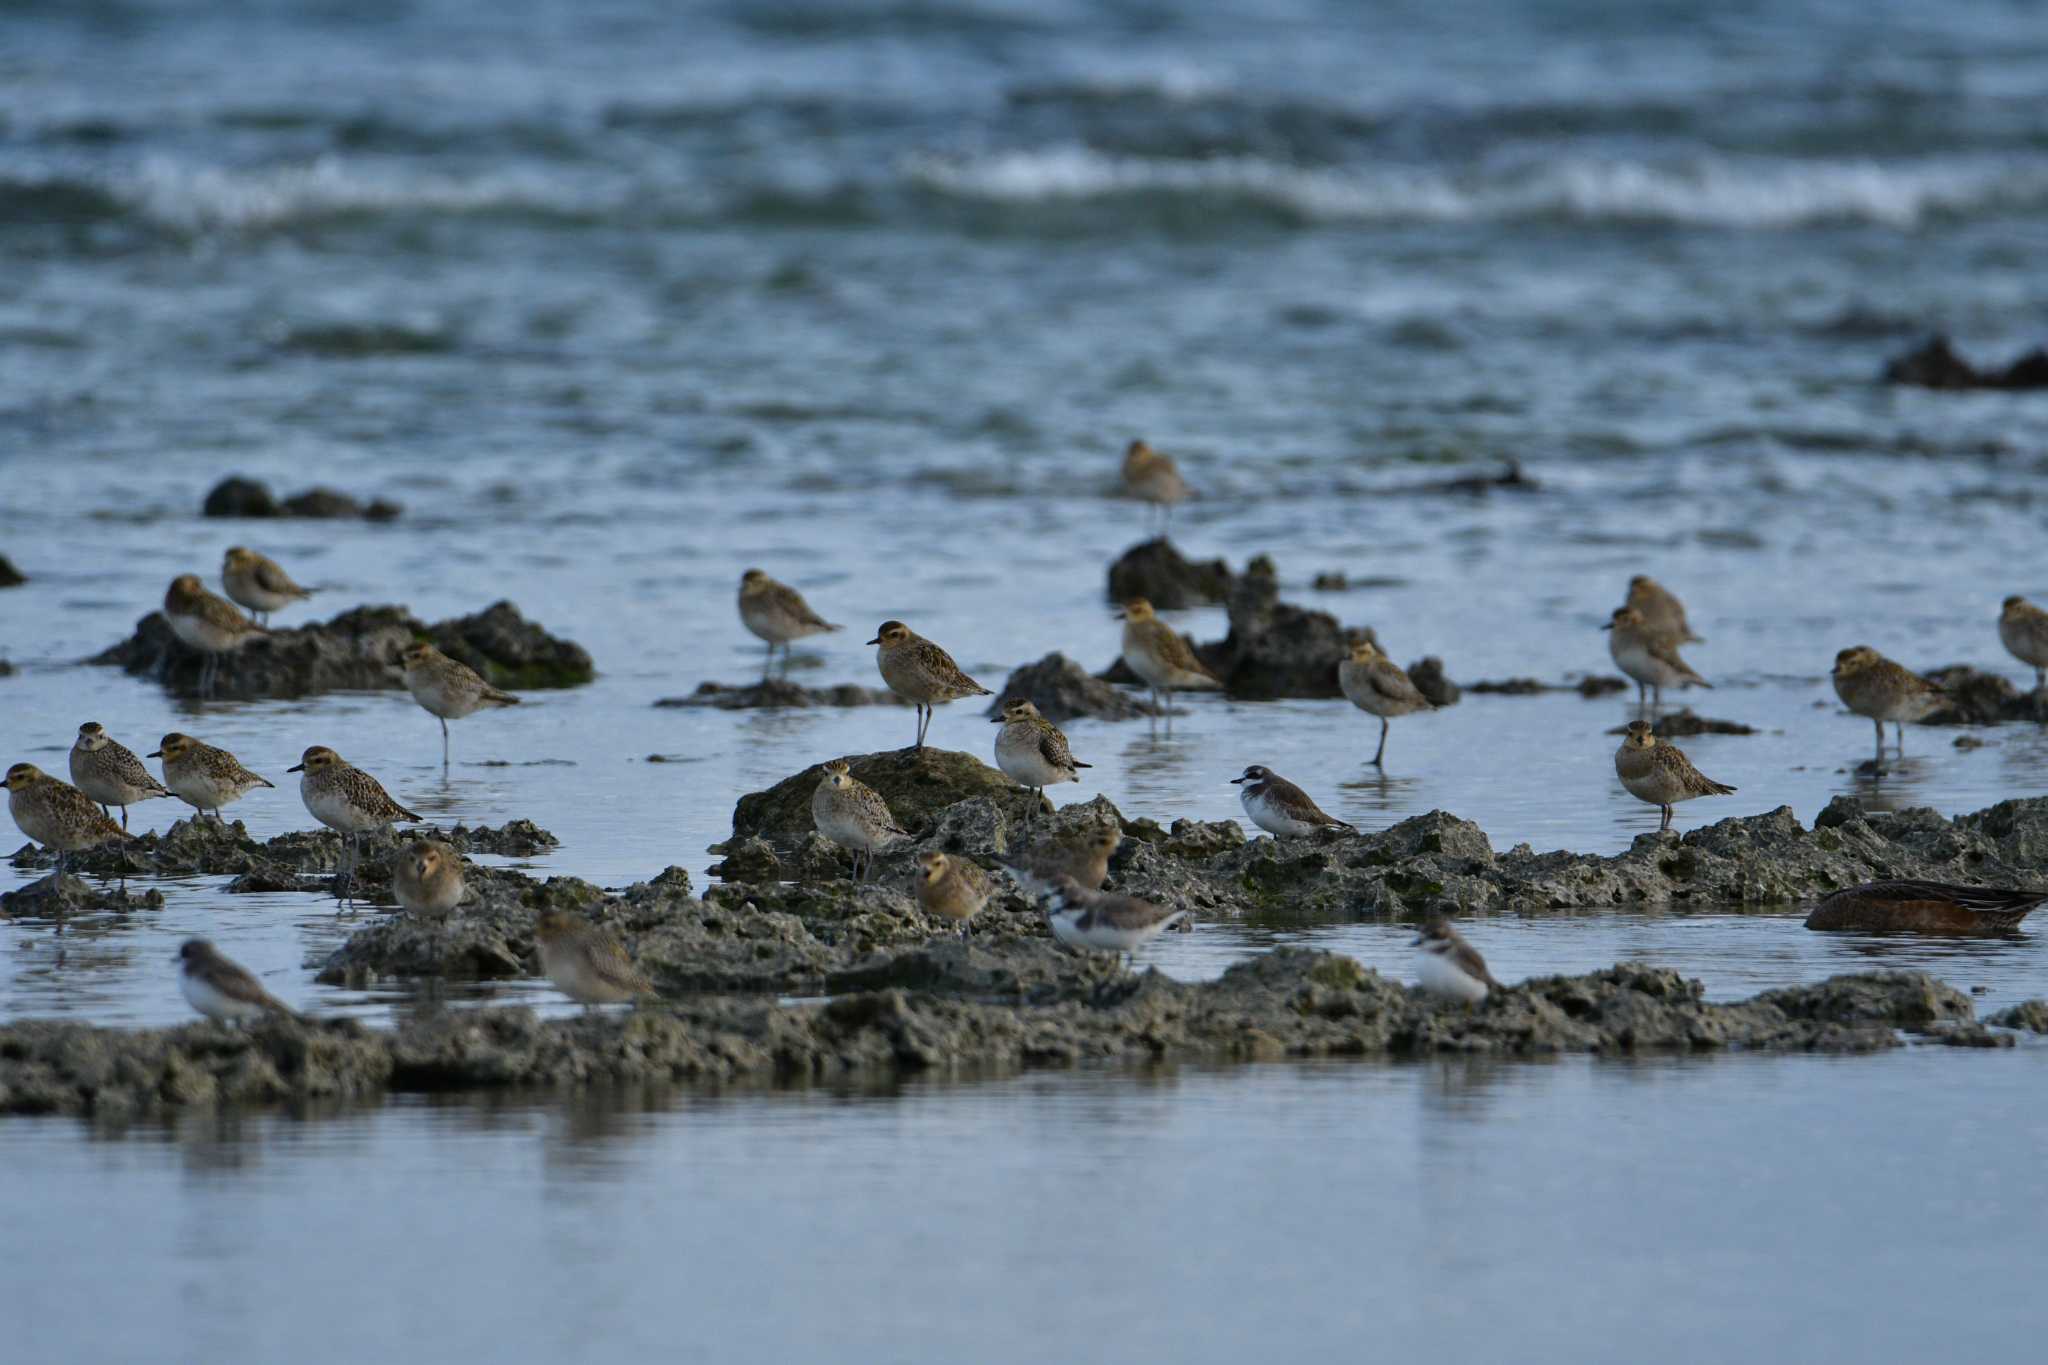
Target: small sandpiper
1080, 855
1924, 908
57, 815
1032, 750
448, 688
1279, 807
1871, 685
777, 613
1378, 685
1446, 965
586, 962
1158, 653
257, 583
109, 772
204, 777
1660, 773
221, 988
853, 815
1661, 610
2023, 630
1105, 921
344, 798
209, 624
428, 878
1153, 478
952, 888
920, 672
1648, 656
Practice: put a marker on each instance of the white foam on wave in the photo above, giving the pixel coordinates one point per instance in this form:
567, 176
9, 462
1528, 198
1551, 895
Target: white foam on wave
1705, 190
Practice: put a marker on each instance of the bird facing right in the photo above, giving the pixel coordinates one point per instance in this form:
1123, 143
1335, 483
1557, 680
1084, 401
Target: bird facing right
448, 688
221, 988
2023, 630
1279, 807
1446, 965
1157, 653
1924, 908
1153, 478
1103, 920
1377, 685
1659, 773
1033, 751
109, 772
777, 613
256, 582
586, 961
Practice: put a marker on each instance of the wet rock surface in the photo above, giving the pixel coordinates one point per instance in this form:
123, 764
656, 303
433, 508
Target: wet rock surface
1156, 572
10, 577
1593, 685
1979, 698
47, 899
238, 496
1062, 690
918, 785
772, 693
1680, 724
1427, 673
357, 650
1935, 364
1274, 649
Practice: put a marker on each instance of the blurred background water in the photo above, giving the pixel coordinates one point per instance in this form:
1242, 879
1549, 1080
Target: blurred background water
620, 299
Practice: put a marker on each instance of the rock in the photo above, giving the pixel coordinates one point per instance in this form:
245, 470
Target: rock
1155, 571
1063, 690
2030, 1015
1977, 698
1601, 685
772, 693
1428, 676
1934, 364
1681, 723
917, 784
45, 899
237, 496
10, 577
1275, 649
1594, 685
1510, 478
357, 650
1331, 580
6, 669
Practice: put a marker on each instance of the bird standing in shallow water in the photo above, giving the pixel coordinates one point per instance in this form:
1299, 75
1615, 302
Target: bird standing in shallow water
1156, 652
777, 613
2023, 630
1376, 684
1154, 478
1659, 773
447, 688
1648, 656
256, 582
109, 772
920, 672
1871, 685
343, 797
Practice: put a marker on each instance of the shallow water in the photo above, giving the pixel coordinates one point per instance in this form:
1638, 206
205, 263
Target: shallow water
619, 301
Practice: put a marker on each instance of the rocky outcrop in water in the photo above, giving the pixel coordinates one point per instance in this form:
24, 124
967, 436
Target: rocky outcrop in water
1979, 698
357, 650
1156, 572
47, 899
237, 496
1934, 364
10, 577
1274, 649
1062, 690
775, 693
1683, 723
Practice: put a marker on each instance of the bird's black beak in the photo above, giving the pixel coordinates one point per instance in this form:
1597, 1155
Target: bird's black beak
1239, 781
1608, 626
877, 640
995, 720
154, 753
296, 768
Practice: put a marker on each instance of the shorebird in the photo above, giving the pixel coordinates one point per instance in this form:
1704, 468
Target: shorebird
586, 962
204, 777
1924, 908
1080, 855
1661, 610
221, 988
1157, 653
1153, 478
57, 815
777, 613
209, 624
952, 888
428, 878
1446, 965
920, 672
109, 772
853, 815
1648, 656
258, 583
1377, 684
1105, 921
1032, 750
2023, 630
1279, 807
1659, 773
343, 797
447, 688
1871, 685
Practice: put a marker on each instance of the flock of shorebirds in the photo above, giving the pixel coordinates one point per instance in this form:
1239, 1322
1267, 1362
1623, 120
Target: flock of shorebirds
589, 965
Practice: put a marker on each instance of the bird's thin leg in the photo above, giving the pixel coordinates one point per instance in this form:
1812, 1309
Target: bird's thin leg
1880, 744
1666, 824
1900, 726
124, 817
1381, 752
1168, 708
444, 742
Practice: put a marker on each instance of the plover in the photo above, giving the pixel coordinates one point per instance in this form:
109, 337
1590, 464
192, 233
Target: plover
258, 583
1660, 610
1279, 807
202, 776
920, 672
853, 815
109, 772
1660, 773
1157, 653
1648, 656
428, 878
586, 962
2023, 630
1924, 908
777, 613
206, 623
1082, 855
447, 688
1103, 920
1871, 685
223, 989
1032, 750
57, 815
1153, 478
951, 888
1377, 684
344, 798
1446, 965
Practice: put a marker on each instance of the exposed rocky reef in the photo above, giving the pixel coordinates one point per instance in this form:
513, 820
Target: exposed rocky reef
1592, 685
357, 650
1156, 572
50, 899
773, 693
1683, 723
1979, 698
1934, 364
1062, 690
238, 496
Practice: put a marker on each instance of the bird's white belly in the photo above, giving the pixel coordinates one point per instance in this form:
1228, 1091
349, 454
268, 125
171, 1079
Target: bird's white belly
333, 809
212, 1003
1023, 762
1270, 817
1440, 977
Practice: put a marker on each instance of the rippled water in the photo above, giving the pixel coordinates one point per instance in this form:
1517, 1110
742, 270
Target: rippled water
620, 301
